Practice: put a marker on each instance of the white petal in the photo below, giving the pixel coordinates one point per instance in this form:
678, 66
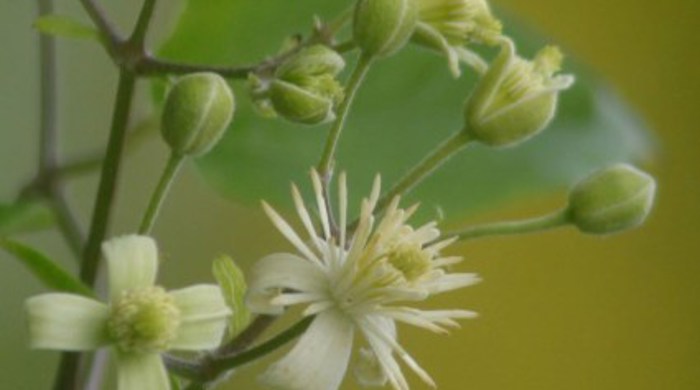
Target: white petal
141, 372
67, 322
321, 204
282, 271
288, 232
132, 262
369, 371
319, 360
450, 282
203, 313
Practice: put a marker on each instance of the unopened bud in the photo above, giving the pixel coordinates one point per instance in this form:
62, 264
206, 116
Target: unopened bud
382, 27
516, 98
197, 111
304, 88
612, 200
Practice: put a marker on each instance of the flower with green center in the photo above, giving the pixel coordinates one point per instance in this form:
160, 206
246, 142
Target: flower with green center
140, 320
449, 25
363, 282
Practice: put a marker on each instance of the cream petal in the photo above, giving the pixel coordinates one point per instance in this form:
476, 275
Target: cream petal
289, 233
67, 322
132, 262
321, 204
141, 372
320, 358
369, 372
203, 313
286, 271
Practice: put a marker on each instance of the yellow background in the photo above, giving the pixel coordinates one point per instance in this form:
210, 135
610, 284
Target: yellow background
558, 310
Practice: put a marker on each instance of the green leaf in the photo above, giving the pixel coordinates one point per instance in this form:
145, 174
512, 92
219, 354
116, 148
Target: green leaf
45, 269
408, 105
233, 285
65, 27
25, 216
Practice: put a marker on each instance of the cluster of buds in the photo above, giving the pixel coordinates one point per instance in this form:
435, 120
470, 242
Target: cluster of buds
304, 88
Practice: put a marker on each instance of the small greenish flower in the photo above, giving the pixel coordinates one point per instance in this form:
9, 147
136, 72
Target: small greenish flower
361, 282
197, 112
449, 25
382, 27
304, 88
516, 98
612, 199
139, 321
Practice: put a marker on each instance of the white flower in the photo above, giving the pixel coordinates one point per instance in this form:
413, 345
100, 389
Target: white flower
139, 321
354, 284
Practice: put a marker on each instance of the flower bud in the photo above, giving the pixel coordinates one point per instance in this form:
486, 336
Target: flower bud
448, 25
613, 199
304, 88
315, 60
382, 27
197, 111
516, 98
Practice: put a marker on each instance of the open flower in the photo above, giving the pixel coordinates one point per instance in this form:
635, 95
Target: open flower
139, 321
354, 283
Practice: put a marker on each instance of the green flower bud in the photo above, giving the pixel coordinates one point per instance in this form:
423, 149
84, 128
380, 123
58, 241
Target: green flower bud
315, 60
447, 26
304, 88
612, 200
300, 105
197, 111
461, 21
382, 27
516, 98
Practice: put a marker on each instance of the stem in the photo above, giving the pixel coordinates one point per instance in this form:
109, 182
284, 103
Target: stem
248, 336
358, 75
67, 374
166, 181
210, 367
98, 17
139, 35
546, 222
425, 167
154, 66
67, 223
108, 180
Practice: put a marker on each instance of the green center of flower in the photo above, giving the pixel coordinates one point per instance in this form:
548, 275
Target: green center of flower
410, 260
144, 320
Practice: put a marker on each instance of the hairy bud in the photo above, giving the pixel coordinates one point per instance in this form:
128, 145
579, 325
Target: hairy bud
382, 27
197, 112
612, 200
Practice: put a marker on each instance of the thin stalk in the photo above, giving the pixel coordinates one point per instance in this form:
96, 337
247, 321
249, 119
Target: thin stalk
99, 17
425, 167
108, 180
166, 180
211, 367
538, 224
67, 223
358, 75
139, 34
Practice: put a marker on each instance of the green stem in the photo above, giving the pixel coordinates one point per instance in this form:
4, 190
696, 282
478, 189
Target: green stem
166, 181
139, 35
425, 167
108, 180
211, 367
538, 224
358, 75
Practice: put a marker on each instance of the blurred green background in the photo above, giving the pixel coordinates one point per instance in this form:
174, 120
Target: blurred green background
558, 310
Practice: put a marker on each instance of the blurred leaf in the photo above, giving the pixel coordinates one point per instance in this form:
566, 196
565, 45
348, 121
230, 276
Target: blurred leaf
407, 106
65, 27
233, 285
45, 269
25, 216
